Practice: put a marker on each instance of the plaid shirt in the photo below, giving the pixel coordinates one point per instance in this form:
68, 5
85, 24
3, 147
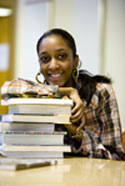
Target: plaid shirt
26, 88
101, 135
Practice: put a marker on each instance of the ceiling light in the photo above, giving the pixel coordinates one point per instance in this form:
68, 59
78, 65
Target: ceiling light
5, 12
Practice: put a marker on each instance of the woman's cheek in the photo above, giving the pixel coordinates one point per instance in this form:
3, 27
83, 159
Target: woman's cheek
42, 69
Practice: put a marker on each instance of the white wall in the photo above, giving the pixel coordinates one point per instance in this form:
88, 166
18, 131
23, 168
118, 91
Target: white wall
86, 32
32, 21
115, 50
63, 14
80, 18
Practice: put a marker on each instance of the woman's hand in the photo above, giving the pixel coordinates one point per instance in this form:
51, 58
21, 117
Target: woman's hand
77, 112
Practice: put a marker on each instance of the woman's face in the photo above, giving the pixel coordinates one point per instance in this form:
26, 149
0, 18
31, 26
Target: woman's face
56, 61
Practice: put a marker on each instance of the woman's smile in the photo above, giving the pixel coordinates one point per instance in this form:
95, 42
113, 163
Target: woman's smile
55, 75
55, 79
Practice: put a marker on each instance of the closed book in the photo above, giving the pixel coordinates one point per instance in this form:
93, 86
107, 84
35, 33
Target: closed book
38, 118
36, 148
32, 138
39, 105
24, 154
22, 126
19, 164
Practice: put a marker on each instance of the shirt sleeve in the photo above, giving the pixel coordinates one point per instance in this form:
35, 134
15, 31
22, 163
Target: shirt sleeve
110, 122
105, 142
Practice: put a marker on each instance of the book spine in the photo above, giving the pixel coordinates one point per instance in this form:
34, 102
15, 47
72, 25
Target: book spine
34, 132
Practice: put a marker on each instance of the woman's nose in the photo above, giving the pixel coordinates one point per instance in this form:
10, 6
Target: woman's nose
54, 64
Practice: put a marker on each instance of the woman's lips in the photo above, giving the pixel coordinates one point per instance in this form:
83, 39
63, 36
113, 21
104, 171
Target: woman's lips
55, 76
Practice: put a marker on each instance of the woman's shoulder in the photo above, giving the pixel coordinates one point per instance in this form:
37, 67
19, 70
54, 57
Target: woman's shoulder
104, 92
104, 88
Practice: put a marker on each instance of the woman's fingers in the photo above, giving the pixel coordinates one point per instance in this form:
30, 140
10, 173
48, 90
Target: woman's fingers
77, 116
81, 124
65, 97
77, 112
78, 109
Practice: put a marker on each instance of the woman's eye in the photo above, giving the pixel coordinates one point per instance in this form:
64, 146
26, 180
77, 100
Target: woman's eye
44, 59
62, 56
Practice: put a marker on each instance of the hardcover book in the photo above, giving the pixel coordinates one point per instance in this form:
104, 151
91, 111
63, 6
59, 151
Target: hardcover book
39, 105
38, 118
24, 154
22, 126
19, 164
33, 138
36, 148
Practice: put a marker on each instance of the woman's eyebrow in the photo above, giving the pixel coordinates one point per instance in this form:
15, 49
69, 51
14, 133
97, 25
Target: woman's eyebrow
57, 50
43, 52
60, 49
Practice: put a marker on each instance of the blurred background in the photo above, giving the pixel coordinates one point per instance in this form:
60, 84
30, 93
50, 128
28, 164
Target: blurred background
98, 27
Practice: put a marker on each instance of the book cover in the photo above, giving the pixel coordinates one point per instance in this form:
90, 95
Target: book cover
38, 118
36, 148
40, 101
40, 109
25, 154
39, 106
22, 126
19, 164
32, 138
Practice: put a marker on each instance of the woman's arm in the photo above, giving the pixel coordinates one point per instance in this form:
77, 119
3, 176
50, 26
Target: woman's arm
77, 113
78, 108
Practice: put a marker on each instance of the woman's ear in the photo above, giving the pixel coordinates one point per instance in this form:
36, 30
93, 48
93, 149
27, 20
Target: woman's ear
76, 61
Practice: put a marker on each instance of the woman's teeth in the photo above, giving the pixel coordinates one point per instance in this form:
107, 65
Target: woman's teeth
55, 75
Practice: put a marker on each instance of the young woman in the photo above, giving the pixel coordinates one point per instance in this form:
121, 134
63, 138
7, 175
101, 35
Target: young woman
95, 129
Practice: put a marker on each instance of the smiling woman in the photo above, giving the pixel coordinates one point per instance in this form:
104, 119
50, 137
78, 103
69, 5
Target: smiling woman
95, 130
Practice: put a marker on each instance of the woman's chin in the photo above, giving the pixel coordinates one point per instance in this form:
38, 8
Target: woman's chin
60, 84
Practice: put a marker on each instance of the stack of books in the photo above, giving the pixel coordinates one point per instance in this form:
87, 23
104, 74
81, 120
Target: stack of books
28, 130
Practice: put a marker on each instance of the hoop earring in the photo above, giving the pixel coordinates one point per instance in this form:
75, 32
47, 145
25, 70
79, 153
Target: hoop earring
75, 74
38, 74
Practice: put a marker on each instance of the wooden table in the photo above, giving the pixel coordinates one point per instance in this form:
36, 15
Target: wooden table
69, 172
